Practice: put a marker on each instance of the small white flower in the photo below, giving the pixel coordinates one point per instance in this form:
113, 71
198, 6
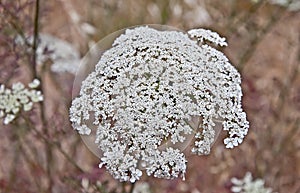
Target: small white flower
28, 106
135, 175
248, 185
15, 110
17, 87
24, 99
84, 130
2, 88
34, 84
204, 34
9, 118
17, 98
236, 189
36, 96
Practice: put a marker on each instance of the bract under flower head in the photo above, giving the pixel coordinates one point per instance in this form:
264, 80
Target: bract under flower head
148, 88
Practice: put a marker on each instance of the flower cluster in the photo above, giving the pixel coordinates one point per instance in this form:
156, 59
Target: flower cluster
64, 55
248, 185
205, 34
146, 90
17, 98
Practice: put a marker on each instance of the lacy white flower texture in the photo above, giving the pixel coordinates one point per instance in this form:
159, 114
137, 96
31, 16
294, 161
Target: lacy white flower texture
249, 185
13, 100
146, 89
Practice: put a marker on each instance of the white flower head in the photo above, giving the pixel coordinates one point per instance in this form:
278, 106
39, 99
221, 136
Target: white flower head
64, 55
249, 185
17, 98
145, 94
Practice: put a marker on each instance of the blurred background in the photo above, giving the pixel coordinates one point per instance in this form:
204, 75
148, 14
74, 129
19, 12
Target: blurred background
39, 150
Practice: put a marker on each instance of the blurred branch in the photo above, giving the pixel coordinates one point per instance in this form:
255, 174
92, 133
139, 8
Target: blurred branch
33, 67
30, 162
12, 20
14, 162
244, 20
55, 144
131, 187
289, 136
256, 39
35, 37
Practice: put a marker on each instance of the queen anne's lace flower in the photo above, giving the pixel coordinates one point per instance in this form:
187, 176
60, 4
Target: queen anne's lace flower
146, 89
248, 185
17, 98
65, 57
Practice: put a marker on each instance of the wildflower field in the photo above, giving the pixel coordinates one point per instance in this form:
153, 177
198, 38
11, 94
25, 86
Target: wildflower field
108, 96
